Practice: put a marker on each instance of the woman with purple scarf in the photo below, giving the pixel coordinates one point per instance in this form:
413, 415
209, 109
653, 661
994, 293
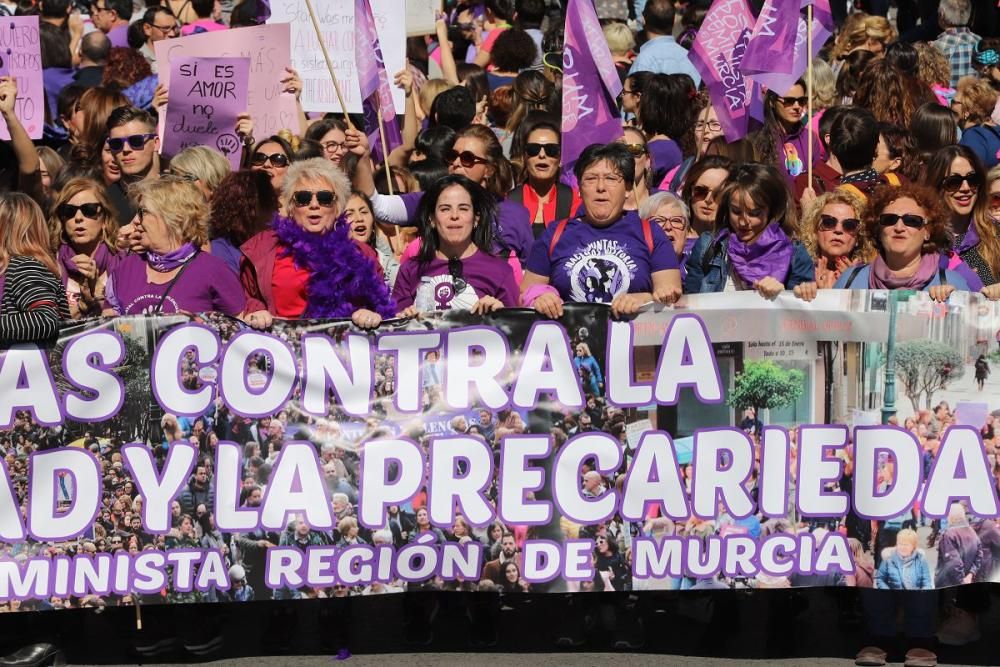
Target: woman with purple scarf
755, 247
84, 229
172, 274
307, 264
908, 225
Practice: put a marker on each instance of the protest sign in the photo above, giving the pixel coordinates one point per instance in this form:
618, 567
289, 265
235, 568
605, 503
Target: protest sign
205, 97
360, 436
968, 413
336, 21
420, 17
21, 58
267, 48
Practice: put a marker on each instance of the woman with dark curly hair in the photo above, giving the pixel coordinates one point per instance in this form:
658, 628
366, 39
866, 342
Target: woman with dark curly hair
909, 227
513, 51
129, 71
889, 94
242, 206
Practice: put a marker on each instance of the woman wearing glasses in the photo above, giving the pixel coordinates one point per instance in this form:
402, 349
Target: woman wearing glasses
833, 233
172, 275
672, 215
454, 268
754, 247
272, 156
331, 135
84, 230
783, 139
606, 254
706, 128
909, 227
307, 265
540, 191
957, 173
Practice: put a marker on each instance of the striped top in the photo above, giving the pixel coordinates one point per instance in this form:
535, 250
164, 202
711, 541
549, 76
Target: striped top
33, 303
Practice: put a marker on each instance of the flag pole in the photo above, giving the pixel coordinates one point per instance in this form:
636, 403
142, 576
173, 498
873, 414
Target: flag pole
385, 146
329, 64
809, 91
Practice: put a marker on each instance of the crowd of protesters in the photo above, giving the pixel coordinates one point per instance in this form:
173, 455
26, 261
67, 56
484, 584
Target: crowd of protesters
904, 194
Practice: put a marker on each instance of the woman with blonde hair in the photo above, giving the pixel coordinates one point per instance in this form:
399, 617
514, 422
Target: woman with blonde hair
833, 233
863, 32
83, 229
974, 102
202, 166
173, 275
32, 300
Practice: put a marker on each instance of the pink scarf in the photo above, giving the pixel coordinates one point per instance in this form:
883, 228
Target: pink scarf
882, 277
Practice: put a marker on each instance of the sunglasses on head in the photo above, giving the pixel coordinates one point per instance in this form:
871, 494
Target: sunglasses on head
467, 158
790, 101
954, 182
828, 223
534, 150
276, 159
68, 211
457, 275
910, 220
636, 149
324, 198
136, 142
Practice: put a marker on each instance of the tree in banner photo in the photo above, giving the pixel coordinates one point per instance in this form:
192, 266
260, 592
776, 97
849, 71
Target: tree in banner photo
728, 442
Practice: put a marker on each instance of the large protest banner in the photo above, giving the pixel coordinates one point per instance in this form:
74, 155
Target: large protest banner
267, 47
336, 23
193, 459
21, 58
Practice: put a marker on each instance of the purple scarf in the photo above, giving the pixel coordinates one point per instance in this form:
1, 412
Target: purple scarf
970, 240
341, 278
103, 257
882, 277
171, 260
770, 255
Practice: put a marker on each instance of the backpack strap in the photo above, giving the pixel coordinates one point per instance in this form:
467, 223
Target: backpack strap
560, 228
564, 201
852, 275
517, 195
647, 233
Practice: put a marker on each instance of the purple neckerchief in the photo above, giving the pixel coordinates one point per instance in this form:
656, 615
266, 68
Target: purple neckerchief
171, 260
970, 240
882, 277
103, 257
770, 255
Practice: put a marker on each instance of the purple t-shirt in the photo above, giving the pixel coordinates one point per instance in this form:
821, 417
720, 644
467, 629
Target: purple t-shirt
666, 154
594, 265
207, 285
118, 36
430, 286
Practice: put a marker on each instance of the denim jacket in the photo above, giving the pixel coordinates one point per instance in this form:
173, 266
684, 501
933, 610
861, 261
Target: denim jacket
709, 274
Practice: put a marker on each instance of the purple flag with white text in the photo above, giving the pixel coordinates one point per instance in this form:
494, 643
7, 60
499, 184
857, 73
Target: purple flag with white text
375, 93
717, 54
590, 86
823, 27
773, 38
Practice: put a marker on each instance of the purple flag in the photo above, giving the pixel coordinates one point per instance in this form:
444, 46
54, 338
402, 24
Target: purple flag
590, 86
717, 54
375, 93
263, 11
773, 38
823, 24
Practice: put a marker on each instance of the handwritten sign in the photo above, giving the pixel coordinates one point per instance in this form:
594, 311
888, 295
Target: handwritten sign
20, 53
205, 96
269, 51
420, 17
336, 21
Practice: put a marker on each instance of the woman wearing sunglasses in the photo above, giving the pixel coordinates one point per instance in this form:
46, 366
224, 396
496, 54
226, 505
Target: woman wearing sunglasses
478, 156
172, 274
454, 268
754, 247
958, 174
272, 156
783, 139
84, 230
833, 233
635, 142
540, 191
307, 265
32, 299
701, 192
908, 225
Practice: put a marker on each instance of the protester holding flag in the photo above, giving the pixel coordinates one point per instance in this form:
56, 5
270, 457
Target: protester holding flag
782, 141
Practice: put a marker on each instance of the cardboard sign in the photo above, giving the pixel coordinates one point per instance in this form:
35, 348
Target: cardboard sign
420, 17
205, 96
21, 58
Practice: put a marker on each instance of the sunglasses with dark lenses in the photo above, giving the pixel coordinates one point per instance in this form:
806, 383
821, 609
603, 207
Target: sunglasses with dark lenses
276, 159
828, 223
136, 142
954, 182
457, 275
68, 211
910, 220
636, 149
467, 158
701, 192
789, 101
324, 198
534, 150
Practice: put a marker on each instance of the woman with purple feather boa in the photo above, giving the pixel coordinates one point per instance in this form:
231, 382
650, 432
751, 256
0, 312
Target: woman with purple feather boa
307, 265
